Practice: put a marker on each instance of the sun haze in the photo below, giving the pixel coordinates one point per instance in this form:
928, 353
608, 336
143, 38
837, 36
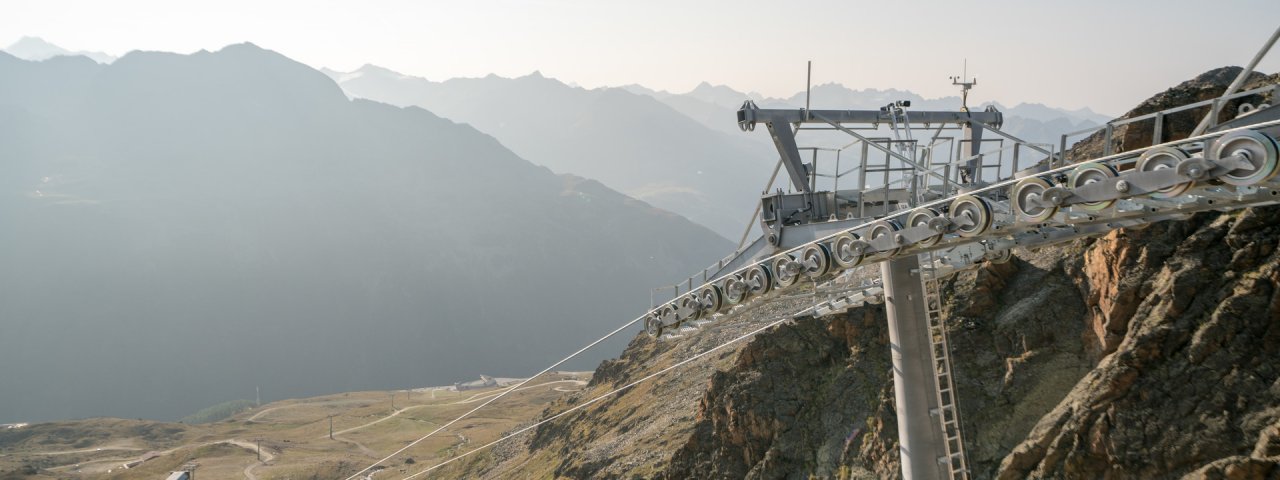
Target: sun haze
1065, 55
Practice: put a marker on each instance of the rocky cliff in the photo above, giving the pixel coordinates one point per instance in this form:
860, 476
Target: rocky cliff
1140, 354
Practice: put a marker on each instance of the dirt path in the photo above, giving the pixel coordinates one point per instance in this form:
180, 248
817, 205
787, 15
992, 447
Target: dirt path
267, 456
306, 404
107, 447
473, 399
360, 446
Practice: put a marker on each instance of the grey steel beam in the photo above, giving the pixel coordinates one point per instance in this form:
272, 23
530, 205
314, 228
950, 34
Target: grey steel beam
1235, 84
920, 438
780, 121
785, 139
1016, 139
970, 146
748, 115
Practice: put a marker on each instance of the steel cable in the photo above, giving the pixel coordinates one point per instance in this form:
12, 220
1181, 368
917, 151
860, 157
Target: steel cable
607, 394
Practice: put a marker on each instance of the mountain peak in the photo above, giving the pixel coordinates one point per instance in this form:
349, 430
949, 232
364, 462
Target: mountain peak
370, 68
37, 49
250, 50
242, 71
33, 42
722, 95
537, 76
707, 87
243, 47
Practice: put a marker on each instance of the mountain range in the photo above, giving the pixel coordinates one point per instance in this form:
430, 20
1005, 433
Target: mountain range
681, 152
180, 229
714, 106
633, 143
36, 49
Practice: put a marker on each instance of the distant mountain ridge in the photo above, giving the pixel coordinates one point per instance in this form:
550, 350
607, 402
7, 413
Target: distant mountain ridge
707, 169
714, 105
182, 228
37, 49
833, 94
632, 143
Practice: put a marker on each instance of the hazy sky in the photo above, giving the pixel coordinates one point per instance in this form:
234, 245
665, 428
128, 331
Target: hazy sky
1104, 54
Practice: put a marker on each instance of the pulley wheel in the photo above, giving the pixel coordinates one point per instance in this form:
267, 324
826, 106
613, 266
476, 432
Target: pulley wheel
847, 251
1260, 149
690, 308
1164, 158
1092, 172
885, 228
920, 218
816, 260
735, 290
712, 299
668, 316
1024, 193
785, 271
976, 210
759, 281
652, 325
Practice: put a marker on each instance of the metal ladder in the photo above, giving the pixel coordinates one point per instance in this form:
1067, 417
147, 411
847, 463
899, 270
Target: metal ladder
948, 412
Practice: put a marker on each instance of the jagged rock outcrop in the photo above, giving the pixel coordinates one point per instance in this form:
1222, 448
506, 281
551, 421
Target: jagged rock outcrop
1195, 379
1144, 353
825, 375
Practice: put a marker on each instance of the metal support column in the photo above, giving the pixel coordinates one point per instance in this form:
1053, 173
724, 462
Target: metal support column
919, 437
971, 170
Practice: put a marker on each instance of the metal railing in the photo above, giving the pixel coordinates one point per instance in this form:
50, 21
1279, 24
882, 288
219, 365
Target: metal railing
1158, 120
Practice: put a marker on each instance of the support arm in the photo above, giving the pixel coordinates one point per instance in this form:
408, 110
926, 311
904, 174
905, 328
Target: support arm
785, 139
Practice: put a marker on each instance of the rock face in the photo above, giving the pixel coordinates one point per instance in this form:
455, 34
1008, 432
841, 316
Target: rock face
827, 375
1140, 354
1193, 381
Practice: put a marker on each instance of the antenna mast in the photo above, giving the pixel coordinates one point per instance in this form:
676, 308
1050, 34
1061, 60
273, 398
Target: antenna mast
965, 85
808, 84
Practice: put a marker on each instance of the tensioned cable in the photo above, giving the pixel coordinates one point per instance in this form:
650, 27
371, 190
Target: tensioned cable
503, 394
606, 395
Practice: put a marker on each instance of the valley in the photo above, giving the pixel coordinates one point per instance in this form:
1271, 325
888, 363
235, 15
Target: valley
293, 435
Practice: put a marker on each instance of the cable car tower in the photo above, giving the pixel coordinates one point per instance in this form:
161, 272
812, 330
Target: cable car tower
933, 197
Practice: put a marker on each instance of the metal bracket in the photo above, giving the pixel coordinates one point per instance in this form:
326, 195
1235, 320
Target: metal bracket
885, 243
785, 139
917, 234
1237, 160
1140, 183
